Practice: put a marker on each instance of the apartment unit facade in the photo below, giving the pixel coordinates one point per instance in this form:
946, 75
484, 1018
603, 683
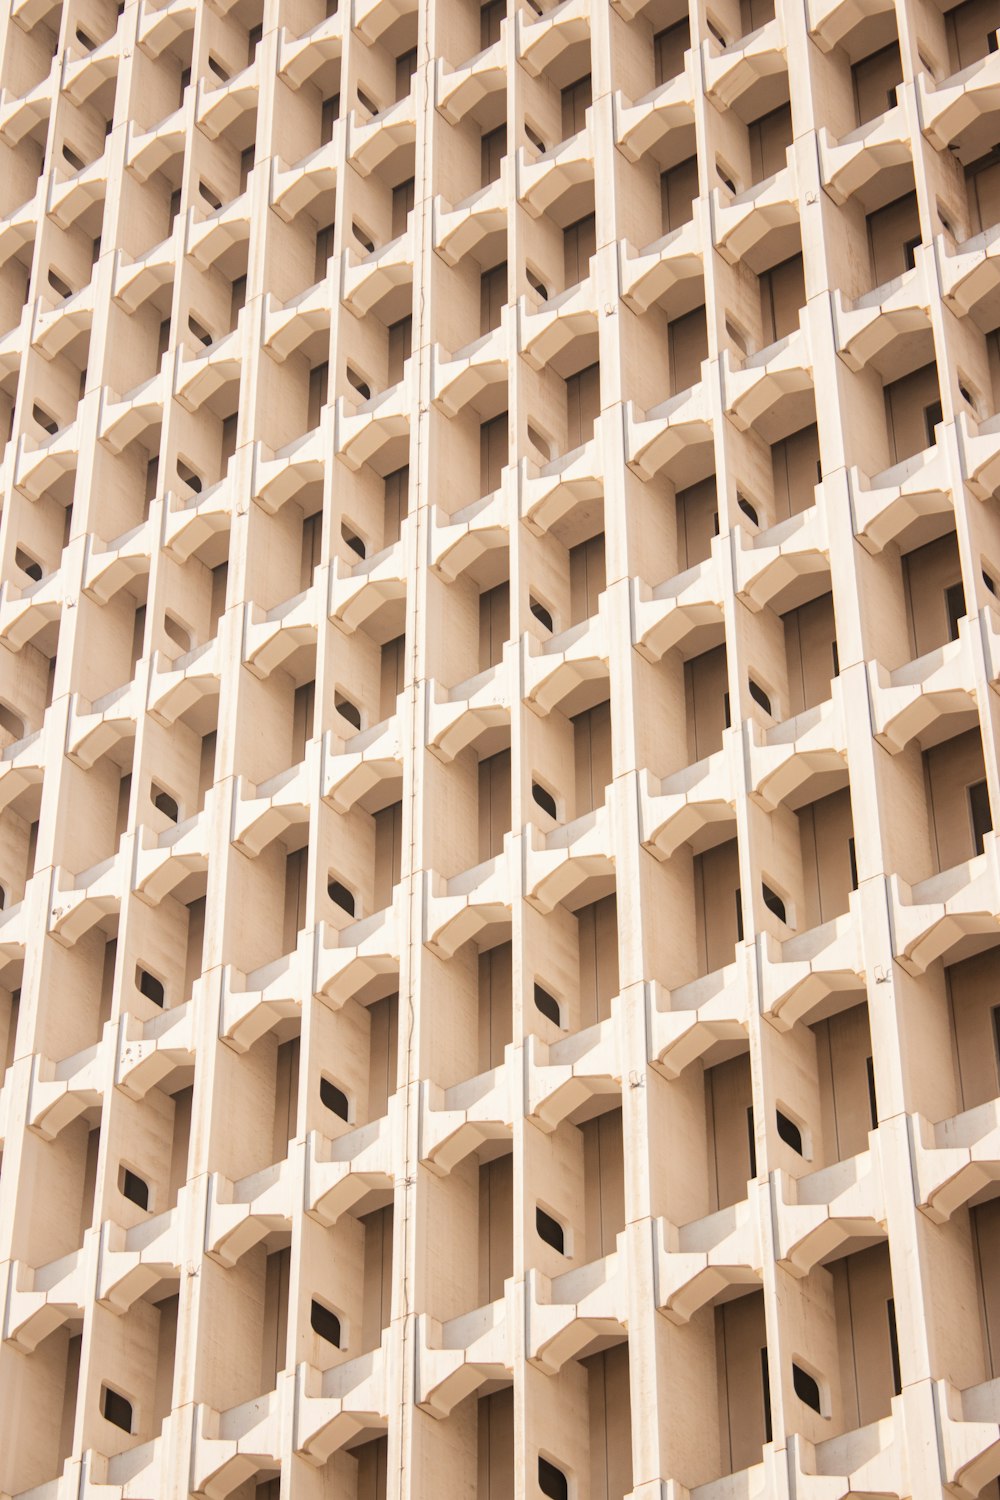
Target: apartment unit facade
499, 722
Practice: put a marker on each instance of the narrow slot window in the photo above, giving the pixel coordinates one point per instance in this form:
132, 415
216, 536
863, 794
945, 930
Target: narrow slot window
752, 1143
549, 1230
890, 1313
544, 799
116, 1408
954, 599
325, 1323
853, 857
982, 818
806, 1388
547, 1005
872, 1104
334, 1098
132, 1187
765, 1386
739, 915
790, 1133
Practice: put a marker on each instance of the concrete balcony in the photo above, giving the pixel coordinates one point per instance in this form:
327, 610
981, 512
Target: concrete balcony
287, 325
19, 227
83, 76
14, 342
80, 901
927, 699
365, 430
374, 17
63, 1091
376, 586
41, 1299
176, 686
695, 806
546, 331
777, 565
879, 328
365, 770
471, 711
22, 766
829, 1213
348, 1174
981, 451
548, 493
161, 25
209, 238
254, 1004
802, 758
26, 612
564, 1314
936, 915
732, 72
359, 956
955, 1160
773, 391
685, 613
831, 20
149, 1051
71, 194
469, 376
458, 230
823, 966
371, 142
280, 476
334, 1406
458, 1121
148, 151
687, 1024
201, 375
133, 1262
14, 929
566, 662
241, 1214
188, 526
366, 280
271, 636
21, 114
137, 280
970, 272
38, 465
851, 165
567, 1075
885, 505
471, 906
674, 437
669, 272
702, 1260
543, 40
543, 179
230, 1447
459, 91
300, 57
872, 1460
218, 108
55, 327
574, 856
163, 860
961, 102
661, 123
969, 1427
96, 728
123, 419
759, 224
470, 540
295, 187
456, 1358
267, 812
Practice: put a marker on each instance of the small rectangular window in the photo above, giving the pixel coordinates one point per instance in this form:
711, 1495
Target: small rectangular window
872, 1105
890, 1311
549, 1230
765, 1385
752, 1143
739, 915
116, 1408
133, 1188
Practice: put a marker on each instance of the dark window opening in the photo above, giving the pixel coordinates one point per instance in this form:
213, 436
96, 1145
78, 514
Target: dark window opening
347, 710
982, 818
334, 1098
932, 416
341, 896
872, 1104
134, 1189
544, 799
540, 613
362, 387
739, 915
790, 1133
550, 1230
954, 598
853, 857
759, 696
910, 252
773, 902
752, 1142
116, 1408
164, 803
765, 1385
747, 508
352, 539
552, 1481
150, 986
548, 1006
806, 1388
325, 1323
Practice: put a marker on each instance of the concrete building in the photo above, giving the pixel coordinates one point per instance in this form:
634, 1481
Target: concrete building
499, 720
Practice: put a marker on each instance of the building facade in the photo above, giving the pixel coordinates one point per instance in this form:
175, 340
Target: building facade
499, 720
